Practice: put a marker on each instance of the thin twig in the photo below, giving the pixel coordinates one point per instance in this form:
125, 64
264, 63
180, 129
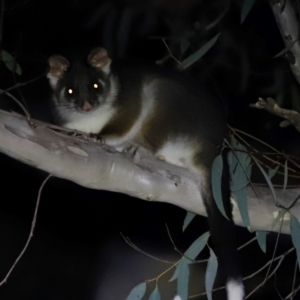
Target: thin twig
276, 289
26, 112
20, 84
280, 258
234, 130
171, 55
182, 254
247, 243
275, 248
31, 230
132, 245
293, 293
294, 279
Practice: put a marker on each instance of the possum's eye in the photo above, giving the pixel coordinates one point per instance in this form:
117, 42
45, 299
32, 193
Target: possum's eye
96, 86
70, 92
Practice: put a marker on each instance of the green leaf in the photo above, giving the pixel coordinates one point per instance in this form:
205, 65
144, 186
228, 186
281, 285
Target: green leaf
295, 232
197, 246
262, 240
10, 62
199, 53
216, 176
242, 203
268, 182
155, 294
137, 292
240, 171
183, 279
211, 272
278, 218
188, 218
272, 172
246, 8
175, 274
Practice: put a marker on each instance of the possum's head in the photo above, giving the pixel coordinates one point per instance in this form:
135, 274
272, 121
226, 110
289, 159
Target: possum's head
80, 85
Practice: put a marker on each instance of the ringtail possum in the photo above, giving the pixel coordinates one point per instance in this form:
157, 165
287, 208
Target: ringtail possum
162, 110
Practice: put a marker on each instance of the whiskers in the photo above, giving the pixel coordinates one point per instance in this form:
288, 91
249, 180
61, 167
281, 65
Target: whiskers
66, 109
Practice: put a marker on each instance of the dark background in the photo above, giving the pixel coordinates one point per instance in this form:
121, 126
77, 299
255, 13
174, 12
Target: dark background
77, 251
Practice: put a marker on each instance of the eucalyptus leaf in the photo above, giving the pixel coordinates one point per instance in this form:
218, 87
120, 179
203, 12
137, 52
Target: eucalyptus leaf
240, 165
295, 233
242, 202
262, 240
216, 174
155, 294
183, 279
188, 219
175, 274
197, 246
240, 169
211, 272
268, 182
246, 9
272, 172
10, 62
278, 218
199, 53
137, 292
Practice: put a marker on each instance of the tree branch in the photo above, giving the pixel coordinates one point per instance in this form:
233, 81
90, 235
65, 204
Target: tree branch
291, 116
99, 167
289, 28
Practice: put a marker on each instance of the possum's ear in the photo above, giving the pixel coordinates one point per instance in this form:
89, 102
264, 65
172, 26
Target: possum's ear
58, 65
99, 59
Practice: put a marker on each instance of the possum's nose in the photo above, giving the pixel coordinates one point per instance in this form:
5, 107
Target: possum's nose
87, 106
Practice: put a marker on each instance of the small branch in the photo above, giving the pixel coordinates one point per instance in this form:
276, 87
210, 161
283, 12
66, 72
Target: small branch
31, 231
291, 116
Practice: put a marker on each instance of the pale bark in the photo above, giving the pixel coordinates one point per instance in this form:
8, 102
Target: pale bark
288, 25
89, 164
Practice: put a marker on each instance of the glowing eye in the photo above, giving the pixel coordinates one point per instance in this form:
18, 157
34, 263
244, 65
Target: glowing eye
70, 92
96, 86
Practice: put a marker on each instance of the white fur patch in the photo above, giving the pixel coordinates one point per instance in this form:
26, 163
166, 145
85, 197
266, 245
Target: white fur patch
146, 110
52, 80
91, 122
235, 290
179, 152
177, 298
94, 121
